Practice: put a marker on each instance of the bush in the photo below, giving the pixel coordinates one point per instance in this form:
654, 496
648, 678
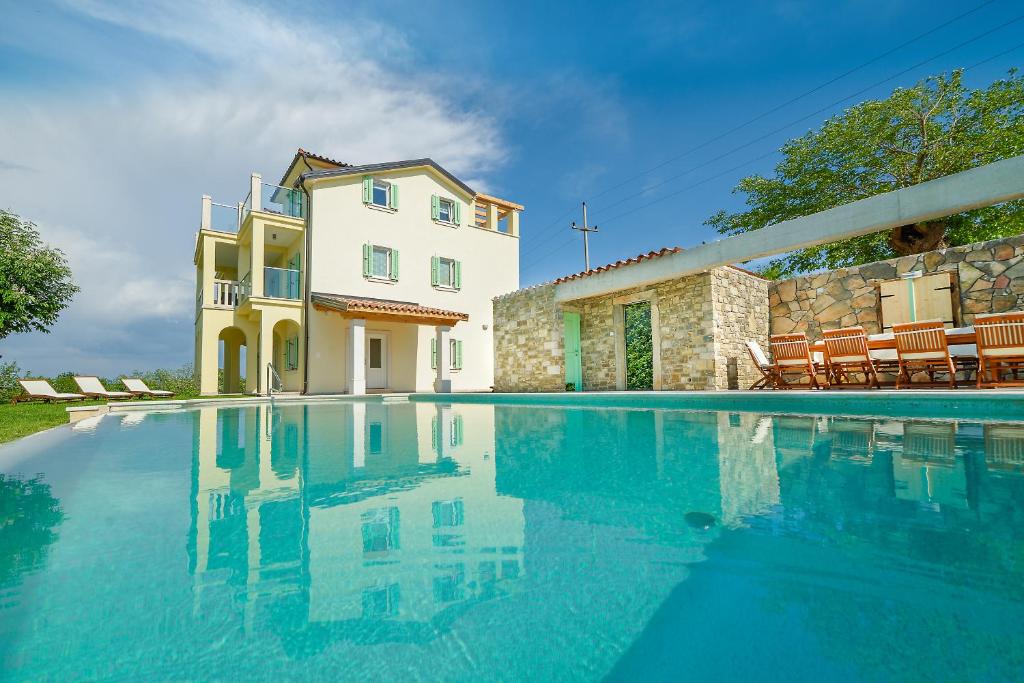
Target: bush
10, 373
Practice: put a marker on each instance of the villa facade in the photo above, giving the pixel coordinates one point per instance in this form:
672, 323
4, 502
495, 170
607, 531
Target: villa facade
348, 279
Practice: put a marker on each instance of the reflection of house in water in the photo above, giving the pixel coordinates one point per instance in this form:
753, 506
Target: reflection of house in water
360, 520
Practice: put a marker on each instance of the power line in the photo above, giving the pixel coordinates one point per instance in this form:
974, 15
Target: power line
804, 118
762, 115
536, 262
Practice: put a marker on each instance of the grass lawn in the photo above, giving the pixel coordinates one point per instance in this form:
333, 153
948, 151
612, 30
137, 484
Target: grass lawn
23, 419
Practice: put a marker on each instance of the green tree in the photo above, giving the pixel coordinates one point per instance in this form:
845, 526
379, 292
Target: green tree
917, 134
639, 347
35, 280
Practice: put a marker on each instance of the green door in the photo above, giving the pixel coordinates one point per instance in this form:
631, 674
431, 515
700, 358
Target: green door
573, 361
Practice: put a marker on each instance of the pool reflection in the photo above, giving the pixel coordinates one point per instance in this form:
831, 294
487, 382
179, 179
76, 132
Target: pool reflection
373, 523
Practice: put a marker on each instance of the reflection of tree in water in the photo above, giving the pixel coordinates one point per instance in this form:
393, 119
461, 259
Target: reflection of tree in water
28, 514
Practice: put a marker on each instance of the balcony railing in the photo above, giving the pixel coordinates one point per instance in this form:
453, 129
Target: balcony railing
224, 217
281, 283
245, 287
225, 293
286, 201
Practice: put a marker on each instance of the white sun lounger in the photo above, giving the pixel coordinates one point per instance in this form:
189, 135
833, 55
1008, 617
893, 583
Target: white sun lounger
40, 390
93, 388
139, 388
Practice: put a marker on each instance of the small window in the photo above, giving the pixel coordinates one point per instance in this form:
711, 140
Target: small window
445, 272
380, 262
455, 354
381, 193
445, 211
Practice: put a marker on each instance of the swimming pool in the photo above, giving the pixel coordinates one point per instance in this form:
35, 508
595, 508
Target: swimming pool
471, 540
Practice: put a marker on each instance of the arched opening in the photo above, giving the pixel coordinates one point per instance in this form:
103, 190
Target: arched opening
231, 361
287, 352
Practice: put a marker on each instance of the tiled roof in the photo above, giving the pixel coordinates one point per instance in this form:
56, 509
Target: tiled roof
619, 264
352, 304
637, 259
326, 160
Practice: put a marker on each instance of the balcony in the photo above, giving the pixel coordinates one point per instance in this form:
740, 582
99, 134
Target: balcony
225, 294
278, 283
265, 197
274, 199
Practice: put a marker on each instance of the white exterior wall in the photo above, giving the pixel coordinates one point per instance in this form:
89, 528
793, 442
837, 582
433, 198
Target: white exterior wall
341, 224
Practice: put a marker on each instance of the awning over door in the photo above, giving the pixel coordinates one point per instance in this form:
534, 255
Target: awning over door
385, 309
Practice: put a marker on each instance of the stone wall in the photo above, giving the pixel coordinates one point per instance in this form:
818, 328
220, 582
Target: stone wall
741, 314
703, 321
528, 343
990, 275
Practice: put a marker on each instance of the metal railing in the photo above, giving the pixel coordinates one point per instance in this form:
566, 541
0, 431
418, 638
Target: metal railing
281, 283
245, 287
274, 381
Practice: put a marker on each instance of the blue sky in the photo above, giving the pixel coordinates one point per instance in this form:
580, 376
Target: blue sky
118, 116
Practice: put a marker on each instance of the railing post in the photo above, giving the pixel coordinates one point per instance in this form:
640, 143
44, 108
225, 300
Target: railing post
207, 214
256, 191
513, 222
238, 215
492, 216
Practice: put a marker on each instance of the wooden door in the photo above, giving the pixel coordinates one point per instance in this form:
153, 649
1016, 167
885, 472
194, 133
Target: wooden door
573, 355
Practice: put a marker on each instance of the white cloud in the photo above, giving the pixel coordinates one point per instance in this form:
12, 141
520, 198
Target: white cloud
119, 167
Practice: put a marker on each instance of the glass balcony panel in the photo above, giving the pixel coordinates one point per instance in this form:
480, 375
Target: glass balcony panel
281, 283
245, 287
223, 217
283, 200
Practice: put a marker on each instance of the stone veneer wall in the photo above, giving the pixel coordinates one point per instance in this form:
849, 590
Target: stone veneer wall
704, 321
990, 274
741, 314
528, 344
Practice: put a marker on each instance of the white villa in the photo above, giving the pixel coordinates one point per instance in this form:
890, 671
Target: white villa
348, 279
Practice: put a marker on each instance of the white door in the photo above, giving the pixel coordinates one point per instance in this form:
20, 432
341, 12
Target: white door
376, 361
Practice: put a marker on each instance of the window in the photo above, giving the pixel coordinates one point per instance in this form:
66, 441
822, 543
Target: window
454, 353
444, 210
291, 353
381, 601
447, 513
380, 262
380, 530
380, 193
445, 272
376, 444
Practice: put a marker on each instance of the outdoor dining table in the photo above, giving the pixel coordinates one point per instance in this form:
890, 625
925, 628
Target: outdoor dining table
955, 336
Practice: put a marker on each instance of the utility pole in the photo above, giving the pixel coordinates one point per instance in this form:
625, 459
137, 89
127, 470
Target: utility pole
586, 234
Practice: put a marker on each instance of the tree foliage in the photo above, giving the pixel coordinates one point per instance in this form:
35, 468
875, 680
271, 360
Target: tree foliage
35, 280
933, 129
639, 347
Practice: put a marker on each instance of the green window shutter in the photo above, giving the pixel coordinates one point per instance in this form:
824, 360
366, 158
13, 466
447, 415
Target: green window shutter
435, 265
457, 428
457, 265
458, 355
457, 211
435, 207
394, 265
394, 196
435, 435
367, 254
367, 189
433, 353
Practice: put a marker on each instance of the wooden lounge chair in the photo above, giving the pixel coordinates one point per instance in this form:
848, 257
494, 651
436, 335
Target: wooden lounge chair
40, 390
846, 353
1000, 349
763, 365
792, 356
139, 388
93, 388
922, 347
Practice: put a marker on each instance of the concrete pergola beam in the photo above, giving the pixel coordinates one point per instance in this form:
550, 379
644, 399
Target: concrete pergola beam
987, 185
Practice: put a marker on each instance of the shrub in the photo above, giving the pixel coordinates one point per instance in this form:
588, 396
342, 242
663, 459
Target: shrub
10, 373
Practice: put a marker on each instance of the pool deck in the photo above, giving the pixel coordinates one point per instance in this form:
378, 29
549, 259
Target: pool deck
975, 404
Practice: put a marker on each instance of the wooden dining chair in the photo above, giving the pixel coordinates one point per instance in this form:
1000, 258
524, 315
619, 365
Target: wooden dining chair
1000, 340
763, 365
792, 356
846, 354
921, 347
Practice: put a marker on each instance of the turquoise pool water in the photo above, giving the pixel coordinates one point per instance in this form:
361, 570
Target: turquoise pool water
472, 541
